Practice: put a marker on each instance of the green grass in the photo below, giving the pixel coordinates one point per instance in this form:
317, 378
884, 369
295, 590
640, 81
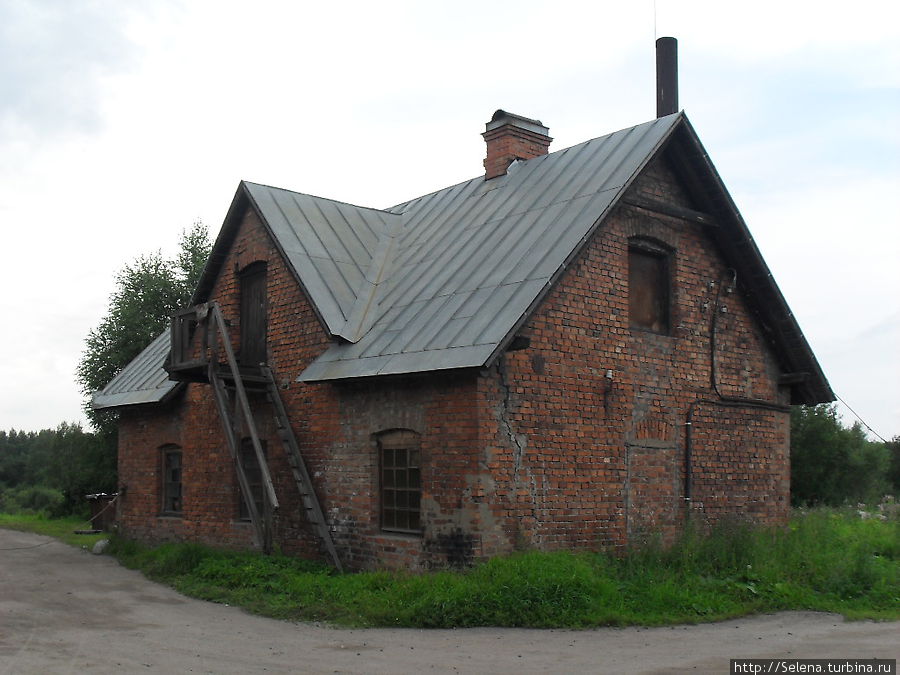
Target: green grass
825, 560
60, 528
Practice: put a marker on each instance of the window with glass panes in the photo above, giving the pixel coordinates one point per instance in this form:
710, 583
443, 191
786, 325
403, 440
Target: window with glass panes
401, 482
171, 487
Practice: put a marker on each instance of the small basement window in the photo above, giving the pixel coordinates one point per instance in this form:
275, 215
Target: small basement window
401, 482
171, 484
649, 287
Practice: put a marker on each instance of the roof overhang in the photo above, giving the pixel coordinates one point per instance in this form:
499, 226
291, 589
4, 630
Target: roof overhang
694, 167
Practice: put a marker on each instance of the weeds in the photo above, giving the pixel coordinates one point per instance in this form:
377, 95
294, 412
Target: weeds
824, 560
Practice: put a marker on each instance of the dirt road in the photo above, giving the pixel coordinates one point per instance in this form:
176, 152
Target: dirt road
66, 611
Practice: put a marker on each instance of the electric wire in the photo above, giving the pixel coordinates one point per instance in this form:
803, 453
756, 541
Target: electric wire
874, 433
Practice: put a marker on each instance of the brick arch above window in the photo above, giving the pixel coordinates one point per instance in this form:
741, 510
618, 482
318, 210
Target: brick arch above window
249, 267
651, 244
651, 229
397, 437
650, 272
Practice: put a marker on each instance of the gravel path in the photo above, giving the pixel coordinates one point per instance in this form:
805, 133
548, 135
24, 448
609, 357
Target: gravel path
66, 611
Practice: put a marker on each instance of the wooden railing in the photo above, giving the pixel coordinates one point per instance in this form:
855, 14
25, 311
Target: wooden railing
189, 332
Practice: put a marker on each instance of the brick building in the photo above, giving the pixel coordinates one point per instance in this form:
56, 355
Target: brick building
575, 350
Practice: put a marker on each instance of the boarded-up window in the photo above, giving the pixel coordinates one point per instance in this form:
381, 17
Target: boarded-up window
171, 483
253, 315
401, 481
254, 477
649, 288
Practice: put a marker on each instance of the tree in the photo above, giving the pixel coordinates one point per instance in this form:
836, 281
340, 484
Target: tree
64, 464
13, 457
148, 292
893, 447
831, 464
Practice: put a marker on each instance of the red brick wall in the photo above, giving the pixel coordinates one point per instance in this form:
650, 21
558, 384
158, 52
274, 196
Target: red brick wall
593, 461
542, 450
336, 428
210, 492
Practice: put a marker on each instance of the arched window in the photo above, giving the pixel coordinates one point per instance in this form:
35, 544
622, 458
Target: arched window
170, 457
400, 471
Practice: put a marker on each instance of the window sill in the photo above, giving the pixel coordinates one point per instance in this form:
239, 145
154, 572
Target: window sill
402, 535
649, 331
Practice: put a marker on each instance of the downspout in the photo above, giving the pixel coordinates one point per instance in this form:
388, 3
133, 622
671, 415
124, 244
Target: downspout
720, 400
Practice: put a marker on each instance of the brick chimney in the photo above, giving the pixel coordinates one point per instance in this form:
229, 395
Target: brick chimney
510, 137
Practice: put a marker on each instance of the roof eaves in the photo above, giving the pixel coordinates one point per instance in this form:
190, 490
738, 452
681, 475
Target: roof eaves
159, 395
142, 380
783, 330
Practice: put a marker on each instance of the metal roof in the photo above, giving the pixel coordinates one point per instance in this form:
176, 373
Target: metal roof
445, 280
467, 262
143, 380
336, 249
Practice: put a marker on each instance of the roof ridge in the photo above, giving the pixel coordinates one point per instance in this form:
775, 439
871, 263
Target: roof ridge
406, 203
511, 238
324, 199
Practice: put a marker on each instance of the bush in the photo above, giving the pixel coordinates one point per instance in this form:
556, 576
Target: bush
31, 499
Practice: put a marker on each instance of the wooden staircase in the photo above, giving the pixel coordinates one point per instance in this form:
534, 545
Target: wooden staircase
200, 340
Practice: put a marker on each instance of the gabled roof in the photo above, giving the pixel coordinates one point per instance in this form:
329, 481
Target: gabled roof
466, 263
444, 281
337, 249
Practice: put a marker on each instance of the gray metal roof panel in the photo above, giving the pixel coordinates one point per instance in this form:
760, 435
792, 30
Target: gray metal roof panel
493, 247
326, 369
442, 359
508, 313
331, 246
425, 339
498, 298
143, 380
374, 344
101, 402
323, 370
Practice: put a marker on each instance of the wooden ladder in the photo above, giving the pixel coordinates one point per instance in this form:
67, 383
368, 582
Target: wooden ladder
302, 478
262, 522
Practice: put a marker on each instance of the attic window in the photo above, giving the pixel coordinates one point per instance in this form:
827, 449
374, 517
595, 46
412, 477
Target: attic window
649, 286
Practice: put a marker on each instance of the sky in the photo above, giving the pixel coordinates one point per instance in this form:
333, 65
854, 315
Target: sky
123, 122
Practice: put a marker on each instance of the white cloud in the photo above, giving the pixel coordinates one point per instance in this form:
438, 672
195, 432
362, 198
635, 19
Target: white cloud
120, 125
